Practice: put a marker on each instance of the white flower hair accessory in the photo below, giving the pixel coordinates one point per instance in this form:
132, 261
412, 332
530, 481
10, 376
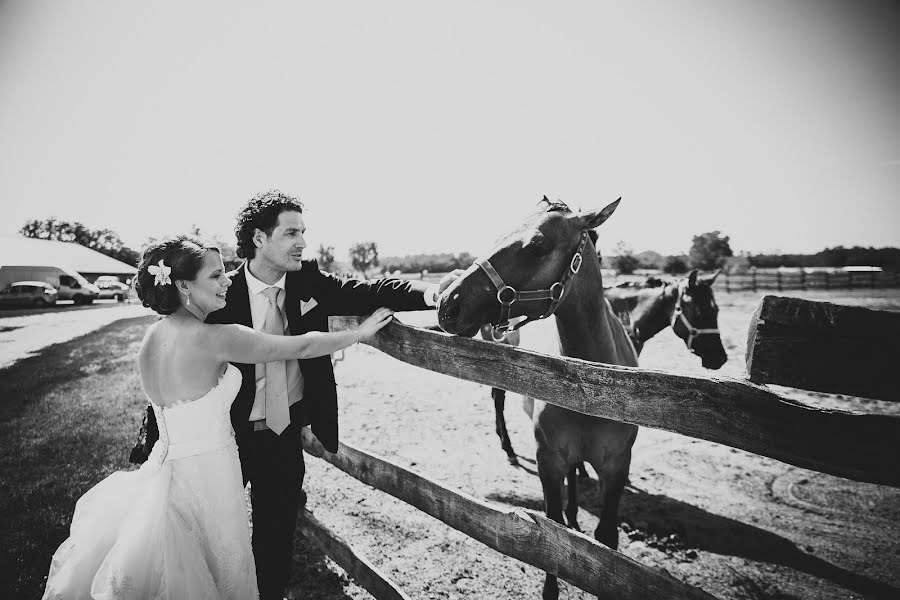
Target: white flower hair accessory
161, 272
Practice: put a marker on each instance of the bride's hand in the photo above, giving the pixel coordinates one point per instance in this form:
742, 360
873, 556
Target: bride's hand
378, 319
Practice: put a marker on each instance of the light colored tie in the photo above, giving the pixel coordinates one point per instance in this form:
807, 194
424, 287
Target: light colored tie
277, 415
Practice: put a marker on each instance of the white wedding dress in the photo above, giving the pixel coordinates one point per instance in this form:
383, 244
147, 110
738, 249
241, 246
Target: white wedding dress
176, 528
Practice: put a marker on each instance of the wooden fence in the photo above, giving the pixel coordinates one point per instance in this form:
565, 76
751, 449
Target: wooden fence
774, 279
737, 413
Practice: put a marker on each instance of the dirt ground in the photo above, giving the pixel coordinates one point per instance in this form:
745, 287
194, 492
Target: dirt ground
733, 523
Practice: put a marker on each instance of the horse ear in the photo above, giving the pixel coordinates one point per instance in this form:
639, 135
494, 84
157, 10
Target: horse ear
692, 278
592, 219
711, 278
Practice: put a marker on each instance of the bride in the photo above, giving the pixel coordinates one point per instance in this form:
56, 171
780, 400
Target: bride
177, 527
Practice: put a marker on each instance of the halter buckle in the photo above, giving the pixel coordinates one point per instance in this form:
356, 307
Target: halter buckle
575, 265
498, 332
556, 291
511, 290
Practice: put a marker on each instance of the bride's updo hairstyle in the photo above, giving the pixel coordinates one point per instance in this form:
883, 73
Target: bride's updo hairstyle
184, 255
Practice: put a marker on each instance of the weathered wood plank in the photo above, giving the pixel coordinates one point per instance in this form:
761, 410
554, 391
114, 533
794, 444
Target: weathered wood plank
357, 566
522, 534
719, 409
837, 319
825, 347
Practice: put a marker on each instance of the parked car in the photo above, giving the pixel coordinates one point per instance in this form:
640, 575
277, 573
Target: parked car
112, 289
28, 293
69, 284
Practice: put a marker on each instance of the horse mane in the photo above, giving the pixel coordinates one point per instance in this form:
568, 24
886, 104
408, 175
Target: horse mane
554, 205
560, 206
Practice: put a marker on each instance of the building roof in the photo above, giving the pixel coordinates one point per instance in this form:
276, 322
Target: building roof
22, 251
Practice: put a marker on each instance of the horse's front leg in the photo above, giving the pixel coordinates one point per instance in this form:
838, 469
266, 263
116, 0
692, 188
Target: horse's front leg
499, 397
572, 498
612, 485
551, 471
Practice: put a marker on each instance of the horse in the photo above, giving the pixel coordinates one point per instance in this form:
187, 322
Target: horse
688, 306
645, 309
548, 266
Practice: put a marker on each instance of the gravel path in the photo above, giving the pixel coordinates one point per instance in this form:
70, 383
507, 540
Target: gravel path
25, 332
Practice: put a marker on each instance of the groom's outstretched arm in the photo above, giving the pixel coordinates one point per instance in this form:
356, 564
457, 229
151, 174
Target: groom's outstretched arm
350, 296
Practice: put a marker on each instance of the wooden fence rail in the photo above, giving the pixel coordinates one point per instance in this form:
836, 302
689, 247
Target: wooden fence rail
362, 571
522, 534
724, 410
825, 347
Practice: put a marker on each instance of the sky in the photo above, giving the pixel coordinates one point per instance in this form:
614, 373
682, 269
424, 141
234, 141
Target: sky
436, 127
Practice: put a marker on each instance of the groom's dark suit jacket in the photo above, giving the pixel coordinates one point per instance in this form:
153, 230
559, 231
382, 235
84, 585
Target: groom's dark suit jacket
334, 296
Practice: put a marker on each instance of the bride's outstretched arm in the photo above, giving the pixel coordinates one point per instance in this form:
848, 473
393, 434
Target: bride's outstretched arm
240, 344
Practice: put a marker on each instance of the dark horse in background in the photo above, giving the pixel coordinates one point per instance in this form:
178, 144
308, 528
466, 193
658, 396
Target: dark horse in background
548, 266
688, 306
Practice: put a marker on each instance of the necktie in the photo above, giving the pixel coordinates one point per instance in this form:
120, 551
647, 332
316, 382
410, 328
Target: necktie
277, 415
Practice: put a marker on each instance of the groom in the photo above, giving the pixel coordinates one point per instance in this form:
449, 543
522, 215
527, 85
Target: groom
277, 291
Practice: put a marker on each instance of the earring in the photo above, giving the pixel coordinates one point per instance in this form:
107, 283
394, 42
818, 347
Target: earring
187, 300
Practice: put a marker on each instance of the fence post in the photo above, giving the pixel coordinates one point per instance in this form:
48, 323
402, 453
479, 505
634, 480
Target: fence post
753, 278
727, 286
778, 279
827, 280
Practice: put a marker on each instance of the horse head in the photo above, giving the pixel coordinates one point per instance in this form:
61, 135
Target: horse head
696, 319
529, 273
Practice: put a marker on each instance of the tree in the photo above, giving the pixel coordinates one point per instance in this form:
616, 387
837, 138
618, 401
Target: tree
675, 265
228, 250
104, 241
709, 251
435, 263
325, 257
625, 261
363, 256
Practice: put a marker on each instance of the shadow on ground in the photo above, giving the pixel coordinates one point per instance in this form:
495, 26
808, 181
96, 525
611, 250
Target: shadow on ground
643, 515
311, 577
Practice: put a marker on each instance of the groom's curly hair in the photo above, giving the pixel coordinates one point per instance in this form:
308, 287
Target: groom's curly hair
184, 255
261, 212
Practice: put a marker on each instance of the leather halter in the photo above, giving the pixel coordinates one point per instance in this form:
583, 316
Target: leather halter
508, 295
693, 332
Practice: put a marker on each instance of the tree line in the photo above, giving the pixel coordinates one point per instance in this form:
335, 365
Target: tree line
886, 258
104, 241
711, 250
708, 251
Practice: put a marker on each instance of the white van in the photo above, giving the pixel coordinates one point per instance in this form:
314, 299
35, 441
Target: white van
68, 283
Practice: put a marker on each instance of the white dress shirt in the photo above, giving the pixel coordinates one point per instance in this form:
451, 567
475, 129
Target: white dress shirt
259, 304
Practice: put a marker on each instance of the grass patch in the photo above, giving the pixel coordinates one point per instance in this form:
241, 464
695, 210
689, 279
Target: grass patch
68, 418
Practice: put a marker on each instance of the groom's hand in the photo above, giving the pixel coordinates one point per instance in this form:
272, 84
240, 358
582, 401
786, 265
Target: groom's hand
448, 279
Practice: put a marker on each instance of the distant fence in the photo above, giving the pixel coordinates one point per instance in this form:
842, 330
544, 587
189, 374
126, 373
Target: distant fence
734, 412
759, 279
775, 279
